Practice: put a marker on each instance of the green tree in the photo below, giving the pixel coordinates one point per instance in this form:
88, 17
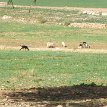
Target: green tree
35, 1
10, 2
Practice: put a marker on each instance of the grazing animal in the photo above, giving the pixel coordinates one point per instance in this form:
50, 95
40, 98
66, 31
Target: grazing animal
63, 44
24, 47
80, 45
83, 45
50, 45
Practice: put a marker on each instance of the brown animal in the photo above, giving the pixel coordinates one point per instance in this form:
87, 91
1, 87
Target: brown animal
24, 47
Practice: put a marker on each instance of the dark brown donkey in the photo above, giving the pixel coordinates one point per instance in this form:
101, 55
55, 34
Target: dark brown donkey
24, 47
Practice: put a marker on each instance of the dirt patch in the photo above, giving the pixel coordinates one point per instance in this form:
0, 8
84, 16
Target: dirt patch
3, 4
65, 8
3, 47
94, 11
66, 96
88, 25
60, 93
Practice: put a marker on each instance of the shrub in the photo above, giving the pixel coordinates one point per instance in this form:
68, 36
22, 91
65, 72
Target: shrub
67, 23
42, 20
91, 84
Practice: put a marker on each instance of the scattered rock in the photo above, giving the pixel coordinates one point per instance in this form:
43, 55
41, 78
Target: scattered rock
6, 17
105, 106
3, 4
59, 105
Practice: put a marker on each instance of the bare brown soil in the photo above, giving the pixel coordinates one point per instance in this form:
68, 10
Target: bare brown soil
87, 50
66, 8
66, 96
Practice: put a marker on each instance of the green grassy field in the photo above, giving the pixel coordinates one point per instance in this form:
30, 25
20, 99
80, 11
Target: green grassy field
27, 28
63, 16
20, 69
28, 70
24, 68
38, 35
73, 3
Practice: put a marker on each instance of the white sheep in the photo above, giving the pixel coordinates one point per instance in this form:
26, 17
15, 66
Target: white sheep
50, 45
63, 44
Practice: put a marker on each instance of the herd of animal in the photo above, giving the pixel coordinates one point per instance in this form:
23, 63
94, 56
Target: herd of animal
51, 45
83, 45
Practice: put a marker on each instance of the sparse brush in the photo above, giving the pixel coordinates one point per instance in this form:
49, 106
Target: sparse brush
91, 84
42, 20
67, 23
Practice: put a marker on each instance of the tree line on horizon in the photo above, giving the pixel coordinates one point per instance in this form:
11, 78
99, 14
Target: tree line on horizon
10, 2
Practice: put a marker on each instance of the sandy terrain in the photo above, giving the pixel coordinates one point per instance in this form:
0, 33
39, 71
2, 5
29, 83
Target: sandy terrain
57, 49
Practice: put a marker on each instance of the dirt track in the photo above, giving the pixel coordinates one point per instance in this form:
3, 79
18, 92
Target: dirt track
58, 49
65, 8
68, 96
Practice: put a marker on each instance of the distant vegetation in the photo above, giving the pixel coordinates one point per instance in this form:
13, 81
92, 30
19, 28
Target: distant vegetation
35, 29
72, 3
38, 35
